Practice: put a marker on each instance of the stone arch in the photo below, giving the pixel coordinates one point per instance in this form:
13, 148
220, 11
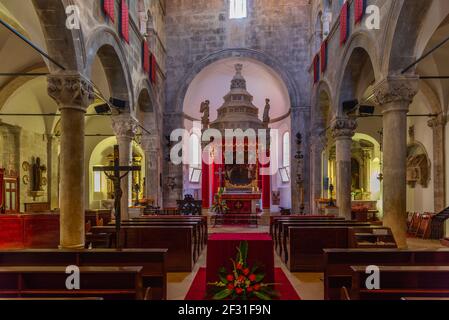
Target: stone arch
401, 38
361, 55
68, 46
147, 104
276, 65
320, 116
104, 43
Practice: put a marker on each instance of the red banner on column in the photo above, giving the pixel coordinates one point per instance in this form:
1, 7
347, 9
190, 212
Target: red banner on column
109, 9
153, 76
145, 57
124, 21
344, 23
205, 186
323, 52
359, 10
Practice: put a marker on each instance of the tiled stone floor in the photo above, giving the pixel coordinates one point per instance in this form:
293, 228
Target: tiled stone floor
309, 286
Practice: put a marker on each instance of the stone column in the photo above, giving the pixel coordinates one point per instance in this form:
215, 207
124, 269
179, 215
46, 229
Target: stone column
151, 147
394, 95
367, 170
125, 129
438, 125
343, 130
73, 95
316, 150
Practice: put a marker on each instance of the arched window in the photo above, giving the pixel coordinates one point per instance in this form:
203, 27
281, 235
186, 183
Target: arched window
238, 9
194, 158
286, 150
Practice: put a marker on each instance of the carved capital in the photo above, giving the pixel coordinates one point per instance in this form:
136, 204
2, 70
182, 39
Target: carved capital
124, 126
343, 128
438, 121
399, 89
70, 91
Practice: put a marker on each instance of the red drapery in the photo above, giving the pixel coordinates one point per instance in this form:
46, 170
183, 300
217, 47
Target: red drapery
205, 185
124, 21
266, 187
109, 9
153, 76
2, 190
145, 57
344, 23
359, 10
323, 56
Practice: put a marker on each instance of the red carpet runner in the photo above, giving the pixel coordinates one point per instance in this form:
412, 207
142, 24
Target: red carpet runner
197, 290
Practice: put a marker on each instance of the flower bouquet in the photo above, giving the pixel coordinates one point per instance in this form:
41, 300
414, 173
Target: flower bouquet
243, 282
219, 206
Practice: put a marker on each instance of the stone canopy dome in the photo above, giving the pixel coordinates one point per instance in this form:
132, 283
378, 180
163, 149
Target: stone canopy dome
238, 110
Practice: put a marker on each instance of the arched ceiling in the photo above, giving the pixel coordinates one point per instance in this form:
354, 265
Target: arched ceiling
214, 81
15, 54
436, 64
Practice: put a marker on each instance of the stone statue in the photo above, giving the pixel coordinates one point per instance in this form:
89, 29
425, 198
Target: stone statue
37, 170
266, 113
205, 107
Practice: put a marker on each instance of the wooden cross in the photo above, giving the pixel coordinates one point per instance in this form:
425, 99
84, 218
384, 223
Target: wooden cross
220, 173
116, 177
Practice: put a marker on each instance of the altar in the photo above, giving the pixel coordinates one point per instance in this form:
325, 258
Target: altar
236, 164
242, 203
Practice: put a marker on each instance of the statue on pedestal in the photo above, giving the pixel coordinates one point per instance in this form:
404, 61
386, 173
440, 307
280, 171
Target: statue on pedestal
266, 113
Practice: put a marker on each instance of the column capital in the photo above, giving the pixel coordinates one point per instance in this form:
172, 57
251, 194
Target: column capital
438, 121
70, 90
124, 126
396, 89
343, 127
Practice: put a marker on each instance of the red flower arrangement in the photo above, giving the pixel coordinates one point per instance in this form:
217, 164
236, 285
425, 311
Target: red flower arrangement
243, 282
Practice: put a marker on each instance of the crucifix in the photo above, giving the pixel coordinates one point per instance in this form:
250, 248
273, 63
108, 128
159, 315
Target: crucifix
220, 173
114, 173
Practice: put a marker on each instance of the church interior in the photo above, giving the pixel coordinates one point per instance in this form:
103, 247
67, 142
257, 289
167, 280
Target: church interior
224, 150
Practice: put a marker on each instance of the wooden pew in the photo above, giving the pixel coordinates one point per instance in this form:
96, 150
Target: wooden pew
283, 233
275, 218
279, 232
202, 219
177, 239
197, 231
305, 244
397, 282
153, 261
338, 262
110, 283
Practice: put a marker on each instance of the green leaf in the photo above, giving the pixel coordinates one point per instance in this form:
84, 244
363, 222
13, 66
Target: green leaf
260, 277
261, 296
222, 294
244, 250
223, 279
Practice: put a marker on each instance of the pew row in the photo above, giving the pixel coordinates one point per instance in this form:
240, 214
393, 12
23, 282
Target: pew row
305, 244
109, 283
338, 262
179, 240
397, 282
152, 261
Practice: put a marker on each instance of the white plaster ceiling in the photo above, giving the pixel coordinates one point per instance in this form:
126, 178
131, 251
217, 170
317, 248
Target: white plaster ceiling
214, 81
